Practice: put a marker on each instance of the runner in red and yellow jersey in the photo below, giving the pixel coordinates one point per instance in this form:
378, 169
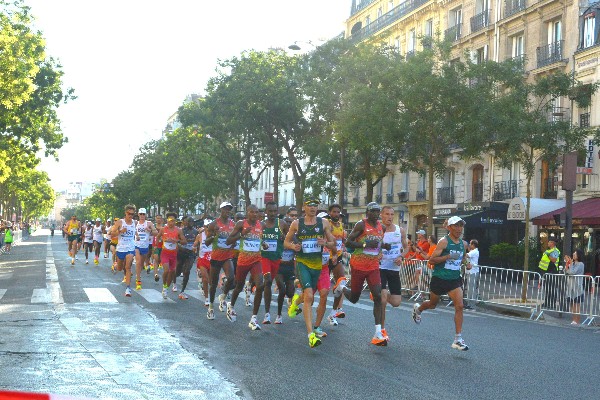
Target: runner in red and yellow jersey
367, 240
217, 233
157, 247
249, 233
171, 236
337, 268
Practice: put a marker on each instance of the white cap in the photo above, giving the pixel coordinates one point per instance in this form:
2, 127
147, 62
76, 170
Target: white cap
98, 220
142, 211
225, 204
455, 220
421, 232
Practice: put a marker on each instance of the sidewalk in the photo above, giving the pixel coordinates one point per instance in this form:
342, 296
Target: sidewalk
113, 351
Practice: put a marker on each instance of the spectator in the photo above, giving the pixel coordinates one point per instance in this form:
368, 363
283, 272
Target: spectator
573, 269
472, 275
422, 244
412, 268
8, 237
549, 265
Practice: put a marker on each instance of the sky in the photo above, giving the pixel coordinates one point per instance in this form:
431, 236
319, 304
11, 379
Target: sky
133, 62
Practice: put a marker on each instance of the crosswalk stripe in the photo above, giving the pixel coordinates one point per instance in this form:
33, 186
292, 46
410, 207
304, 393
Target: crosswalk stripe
41, 296
197, 294
100, 295
2, 292
153, 296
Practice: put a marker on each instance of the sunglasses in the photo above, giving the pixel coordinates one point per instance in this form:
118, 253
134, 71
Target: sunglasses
130, 213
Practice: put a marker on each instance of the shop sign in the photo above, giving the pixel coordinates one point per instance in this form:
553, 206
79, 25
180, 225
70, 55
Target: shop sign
589, 155
492, 221
516, 210
439, 212
473, 207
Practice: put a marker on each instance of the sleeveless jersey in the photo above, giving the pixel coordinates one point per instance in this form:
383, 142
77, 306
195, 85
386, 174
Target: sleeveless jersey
450, 269
142, 232
367, 259
339, 235
222, 251
155, 242
87, 235
190, 235
72, 228
274, 238
107, 229
126, 240
205, 251
311, 253
170, 234
394, 238
250, 244
97, 233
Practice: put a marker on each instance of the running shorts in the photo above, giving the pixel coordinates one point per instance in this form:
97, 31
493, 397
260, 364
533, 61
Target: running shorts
170, 258
122, 254
324, 279
441, 287
143, 250
287, 272
270, 266
309, 277
358, 277
390, 280
241, 271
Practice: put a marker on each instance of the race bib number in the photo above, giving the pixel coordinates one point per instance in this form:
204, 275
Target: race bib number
188, 246
394, 252
372, 251
288, 255
170, 245
221, 243
252, 245
272, 245
237, 245
310, 246
338, 244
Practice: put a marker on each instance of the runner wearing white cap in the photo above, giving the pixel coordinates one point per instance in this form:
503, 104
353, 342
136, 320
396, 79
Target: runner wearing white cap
98, 232
143, 231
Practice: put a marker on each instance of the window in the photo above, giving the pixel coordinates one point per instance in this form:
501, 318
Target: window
406, 181
390, 5
517, 46
390, 184
429, 28
411, 39
455, 17
285, 197
397, 45
379, 12
291, 197
554, 32
589, 30
480, 55
367, 20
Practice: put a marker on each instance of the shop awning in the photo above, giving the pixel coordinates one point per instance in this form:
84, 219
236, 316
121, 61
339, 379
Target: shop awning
585, 212
537, 207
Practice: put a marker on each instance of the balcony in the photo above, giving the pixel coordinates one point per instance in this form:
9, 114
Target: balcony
445, 195
389, 197
477, 194
550, 53
403, 197
453, 33
345, 202
584, 120
550, 189
505, 190
422, 195
378, 198
355, 202
480, 21
361, 5
386, 19
512, 7
558, 114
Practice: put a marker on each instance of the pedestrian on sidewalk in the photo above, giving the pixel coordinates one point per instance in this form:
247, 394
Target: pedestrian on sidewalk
472, 275
549, 265
8, 238
574, 269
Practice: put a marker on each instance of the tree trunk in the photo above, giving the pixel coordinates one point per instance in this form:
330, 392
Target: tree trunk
429, 196
276, 163
526, 260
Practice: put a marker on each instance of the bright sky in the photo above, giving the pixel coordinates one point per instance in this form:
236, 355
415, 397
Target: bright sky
133, 62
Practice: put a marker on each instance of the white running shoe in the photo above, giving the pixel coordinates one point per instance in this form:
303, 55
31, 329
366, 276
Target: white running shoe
210, 314
416, 314
332, 320
86, 261
164, 293
174, 288
206, 303
222, 305
183, 296
254, 325
278, 320
128, 292
267, 319
231, 314
460, 345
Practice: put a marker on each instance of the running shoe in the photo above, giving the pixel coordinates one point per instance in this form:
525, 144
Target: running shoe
156, 278
105, 255
319, 332
254, 325
147, 270
385, 335
164, 293
183, 296
210, 314
206, 303
96, 261
293, 307
379, 340
332, 320
267, 319
222, 305
248, 302
72, 261
313, 340
278, 320
138, 285
128, 292
338, 289
416, 314
339, 313
174, 288
124, 280
86, 261
231, 314
112, 268
460, 345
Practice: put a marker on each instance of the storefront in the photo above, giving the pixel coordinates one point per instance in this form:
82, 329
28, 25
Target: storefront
586, 230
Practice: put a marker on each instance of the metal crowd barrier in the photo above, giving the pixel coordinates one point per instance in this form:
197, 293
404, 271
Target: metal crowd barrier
560, 293
414, 278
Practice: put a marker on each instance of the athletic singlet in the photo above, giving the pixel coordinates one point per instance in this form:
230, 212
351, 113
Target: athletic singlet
97, 233
155, 242
367, 259
190, 235
170, 234
222, 251
250, 244
394, 238
311, 253
450, 269
107, 229
205, 251
126, 240
142, 233
274, 238
87, 235
339, 234
73, 228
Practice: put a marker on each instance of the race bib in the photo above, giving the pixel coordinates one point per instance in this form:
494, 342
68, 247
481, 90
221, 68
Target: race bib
394, 252
288, 255
251, 245
221, 243
170, 246
338, 244
310, 246
325, 258
272, 245
372, 251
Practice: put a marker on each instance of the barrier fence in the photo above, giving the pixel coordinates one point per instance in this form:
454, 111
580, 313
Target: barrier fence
572, 294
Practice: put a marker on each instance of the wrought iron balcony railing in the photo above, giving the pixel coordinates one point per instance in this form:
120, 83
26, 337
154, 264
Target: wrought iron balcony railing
584, 120
355, 202
445, 195
361, 4
550, 53
506, 190
550, 188
403, 197
480, 21
453, 33
421, 195
477, 194
379, 198
389, 197
512, 7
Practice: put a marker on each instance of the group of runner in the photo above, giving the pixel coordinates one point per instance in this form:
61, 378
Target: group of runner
306, 251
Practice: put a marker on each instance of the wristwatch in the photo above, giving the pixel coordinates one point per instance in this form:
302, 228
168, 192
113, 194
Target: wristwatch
364, 245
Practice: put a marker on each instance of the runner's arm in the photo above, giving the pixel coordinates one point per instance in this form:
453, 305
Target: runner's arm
436, 256
356, 232
288, 243
235, 234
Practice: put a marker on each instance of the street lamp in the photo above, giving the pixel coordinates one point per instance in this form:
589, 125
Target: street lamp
296, 47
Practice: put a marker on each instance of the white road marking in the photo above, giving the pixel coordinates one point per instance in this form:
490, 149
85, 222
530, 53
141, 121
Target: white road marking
153, 296
41, 296
52, 284
100, 295
197, 294
2, 292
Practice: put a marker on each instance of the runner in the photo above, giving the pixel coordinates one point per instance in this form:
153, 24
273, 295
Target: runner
366, 239
287, 271
221, 258
249, 233
157, 247
312, 233
323, 285
170, 235
97, 237
107, 238
187, 254
203, 263
448, 258
125, 230
114, 240
143, 231
88, 241
72, 229
239, 216
389, 268
339, 274
273, 233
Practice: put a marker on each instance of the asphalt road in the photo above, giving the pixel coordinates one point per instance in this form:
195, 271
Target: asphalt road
70, 330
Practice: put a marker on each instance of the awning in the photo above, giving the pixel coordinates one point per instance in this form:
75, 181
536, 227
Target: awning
585, 212
537, 207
